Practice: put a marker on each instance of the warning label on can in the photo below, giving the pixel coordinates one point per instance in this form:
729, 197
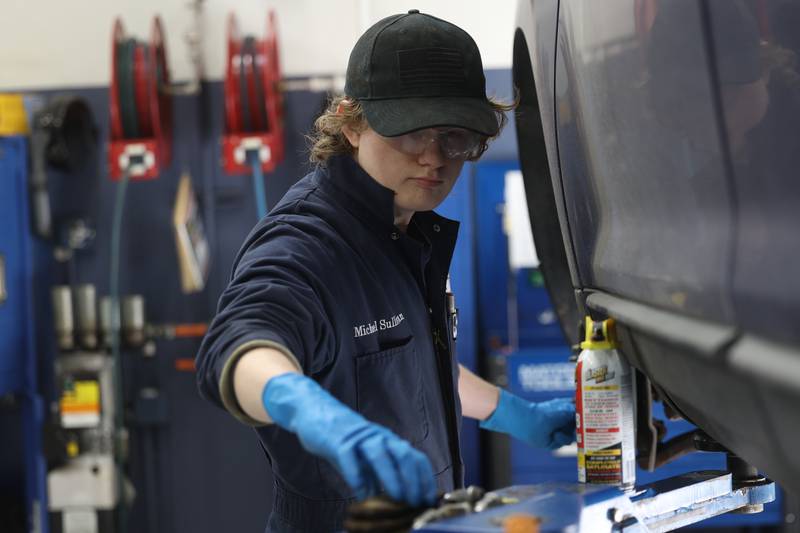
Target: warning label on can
602, 439
604, 466
605, 420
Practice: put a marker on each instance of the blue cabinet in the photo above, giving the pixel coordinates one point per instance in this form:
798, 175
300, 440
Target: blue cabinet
17, 369
22, 483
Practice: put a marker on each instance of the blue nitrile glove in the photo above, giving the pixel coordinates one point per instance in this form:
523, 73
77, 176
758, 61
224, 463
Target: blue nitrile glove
549, 424
366, 454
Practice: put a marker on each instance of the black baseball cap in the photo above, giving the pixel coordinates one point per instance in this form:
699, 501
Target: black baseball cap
414, 71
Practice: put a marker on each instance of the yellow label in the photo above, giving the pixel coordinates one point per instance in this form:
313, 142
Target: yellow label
13, 120
592, 453
83, 397
581, 460
601, 387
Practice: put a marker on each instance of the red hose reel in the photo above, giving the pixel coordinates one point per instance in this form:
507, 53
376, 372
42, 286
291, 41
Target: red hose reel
140, 105
253, 101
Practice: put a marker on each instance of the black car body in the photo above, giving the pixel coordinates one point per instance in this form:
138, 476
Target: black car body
660, 146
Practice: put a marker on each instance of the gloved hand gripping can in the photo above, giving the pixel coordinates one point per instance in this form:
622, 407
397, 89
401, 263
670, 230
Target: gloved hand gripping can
604, 410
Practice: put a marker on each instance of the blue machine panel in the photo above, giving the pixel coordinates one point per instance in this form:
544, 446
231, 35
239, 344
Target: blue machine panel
17, 372
514, 305
537, 321
491, 253
22, 483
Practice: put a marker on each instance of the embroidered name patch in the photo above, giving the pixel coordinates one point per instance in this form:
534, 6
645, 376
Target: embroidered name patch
375, 326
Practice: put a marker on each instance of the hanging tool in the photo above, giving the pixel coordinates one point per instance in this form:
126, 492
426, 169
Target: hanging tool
63, 137
253, 141
140, 105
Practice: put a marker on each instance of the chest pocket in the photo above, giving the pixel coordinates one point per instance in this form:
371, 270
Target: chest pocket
390, 391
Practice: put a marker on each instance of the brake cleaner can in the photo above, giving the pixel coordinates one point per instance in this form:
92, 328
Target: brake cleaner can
604, 410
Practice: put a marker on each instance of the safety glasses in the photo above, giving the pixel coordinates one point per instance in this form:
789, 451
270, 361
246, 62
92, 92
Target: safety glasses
455, 143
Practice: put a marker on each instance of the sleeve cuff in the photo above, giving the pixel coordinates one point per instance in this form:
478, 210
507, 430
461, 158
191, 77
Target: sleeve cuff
226, 378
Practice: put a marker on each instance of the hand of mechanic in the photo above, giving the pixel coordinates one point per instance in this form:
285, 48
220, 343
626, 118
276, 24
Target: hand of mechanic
366, 454
549, 424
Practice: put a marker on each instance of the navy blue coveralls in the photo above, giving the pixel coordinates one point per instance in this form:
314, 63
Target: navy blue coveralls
329, 280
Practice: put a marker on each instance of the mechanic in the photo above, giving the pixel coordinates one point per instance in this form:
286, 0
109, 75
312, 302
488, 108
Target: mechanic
334, 337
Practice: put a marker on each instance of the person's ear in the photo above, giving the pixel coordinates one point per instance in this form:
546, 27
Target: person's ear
352, 135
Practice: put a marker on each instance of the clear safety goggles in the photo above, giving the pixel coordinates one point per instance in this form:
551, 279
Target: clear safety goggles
455, 143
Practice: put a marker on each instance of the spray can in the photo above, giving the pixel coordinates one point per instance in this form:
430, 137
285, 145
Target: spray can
604, 410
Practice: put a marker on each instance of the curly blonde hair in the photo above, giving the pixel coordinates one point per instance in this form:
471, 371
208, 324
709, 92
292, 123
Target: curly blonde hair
327, 138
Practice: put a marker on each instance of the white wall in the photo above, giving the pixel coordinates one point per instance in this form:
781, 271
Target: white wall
66, 43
